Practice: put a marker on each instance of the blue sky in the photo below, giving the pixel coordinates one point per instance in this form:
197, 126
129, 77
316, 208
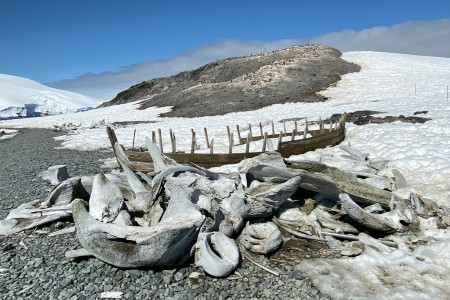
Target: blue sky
100, 47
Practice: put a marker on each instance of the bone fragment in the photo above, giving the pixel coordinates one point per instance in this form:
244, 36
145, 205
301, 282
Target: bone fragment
262, 238
326, 220
354, 153
386, 222
63, 193
160, 161
400, 180
28, 216
55, 174
106, 199
70, 229
77, 253
221, 264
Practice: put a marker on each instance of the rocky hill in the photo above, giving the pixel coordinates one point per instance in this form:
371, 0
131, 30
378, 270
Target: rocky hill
244, 83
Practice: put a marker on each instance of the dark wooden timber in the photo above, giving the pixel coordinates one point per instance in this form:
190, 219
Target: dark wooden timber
319, 138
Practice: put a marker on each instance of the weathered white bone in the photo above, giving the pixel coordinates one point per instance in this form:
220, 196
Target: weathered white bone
389, 221
381, 183
29, 215
221, 264
106, 199
264, 199
180, 205
160, 161
400, 180
63, 193
142, 198
234, 210
355, 153
262, 238
66, 230
326, 220
55, 174
123, 218
134, 246
290, 214
373, 243
77, 253
267, 167
374, 208
331, 181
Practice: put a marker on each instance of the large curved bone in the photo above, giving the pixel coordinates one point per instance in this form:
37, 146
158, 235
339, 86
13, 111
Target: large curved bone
142, 198
386, 222
164, 244
106, 199
63, 193
261, 238
160, 161
222, 263
267, 167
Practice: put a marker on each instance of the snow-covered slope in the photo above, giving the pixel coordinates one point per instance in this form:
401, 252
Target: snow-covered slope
25, 97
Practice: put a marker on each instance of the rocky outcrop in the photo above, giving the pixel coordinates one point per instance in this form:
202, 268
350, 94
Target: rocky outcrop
244, 83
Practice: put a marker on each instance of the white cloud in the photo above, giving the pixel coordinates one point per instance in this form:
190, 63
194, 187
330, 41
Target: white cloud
422, 38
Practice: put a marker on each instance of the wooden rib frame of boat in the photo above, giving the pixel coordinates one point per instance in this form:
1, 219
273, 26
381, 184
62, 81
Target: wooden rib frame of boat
325, 135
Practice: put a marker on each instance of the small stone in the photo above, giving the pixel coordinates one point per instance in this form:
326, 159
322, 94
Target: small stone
8, 247
133, 273
167, 279
38, 261
178, 276
65, 282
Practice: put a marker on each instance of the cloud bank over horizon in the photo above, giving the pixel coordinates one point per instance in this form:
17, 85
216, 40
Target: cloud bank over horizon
431, 38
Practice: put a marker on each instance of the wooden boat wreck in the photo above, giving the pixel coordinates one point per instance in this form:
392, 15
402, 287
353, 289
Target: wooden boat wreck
301, 141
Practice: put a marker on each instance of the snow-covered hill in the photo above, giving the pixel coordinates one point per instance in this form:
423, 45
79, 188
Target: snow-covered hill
25, 97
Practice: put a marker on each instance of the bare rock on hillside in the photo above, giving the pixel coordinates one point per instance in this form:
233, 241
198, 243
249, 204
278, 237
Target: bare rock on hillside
244, 83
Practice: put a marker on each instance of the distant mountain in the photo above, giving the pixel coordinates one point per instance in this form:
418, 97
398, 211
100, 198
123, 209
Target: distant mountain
244, 83
24, 97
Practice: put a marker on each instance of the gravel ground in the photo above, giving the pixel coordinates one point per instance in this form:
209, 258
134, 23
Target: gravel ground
33, 265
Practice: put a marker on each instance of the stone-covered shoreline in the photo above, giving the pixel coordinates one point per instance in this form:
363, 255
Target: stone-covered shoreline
33, 265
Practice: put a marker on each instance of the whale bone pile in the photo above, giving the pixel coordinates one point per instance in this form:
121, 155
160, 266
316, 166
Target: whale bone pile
131, 219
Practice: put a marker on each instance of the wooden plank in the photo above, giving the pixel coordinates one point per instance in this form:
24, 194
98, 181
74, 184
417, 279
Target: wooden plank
173, 141
305, 131
160, 140
207, 160
230, 143
134, 137
193, 141
206, 137
239, 133
280, 139
247, 144
113, 140
286, 149
211, 146
264, 145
